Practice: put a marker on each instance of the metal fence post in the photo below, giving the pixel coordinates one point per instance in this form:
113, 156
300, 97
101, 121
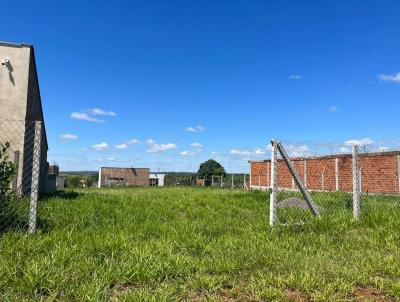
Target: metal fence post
34, 196
356, 183
274, 185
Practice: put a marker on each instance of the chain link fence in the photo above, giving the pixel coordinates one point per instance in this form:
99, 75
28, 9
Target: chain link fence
20, 172
227, 181
350, 180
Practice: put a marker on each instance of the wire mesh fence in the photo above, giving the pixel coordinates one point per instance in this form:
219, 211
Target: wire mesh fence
20, 174
226, 181
351, 179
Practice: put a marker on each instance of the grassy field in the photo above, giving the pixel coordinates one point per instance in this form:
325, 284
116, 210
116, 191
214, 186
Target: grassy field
195, 244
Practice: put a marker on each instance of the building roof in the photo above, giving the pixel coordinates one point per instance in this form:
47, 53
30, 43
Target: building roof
10, 44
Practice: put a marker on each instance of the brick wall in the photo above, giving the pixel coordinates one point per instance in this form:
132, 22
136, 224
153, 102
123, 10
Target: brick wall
124, 176
379, 173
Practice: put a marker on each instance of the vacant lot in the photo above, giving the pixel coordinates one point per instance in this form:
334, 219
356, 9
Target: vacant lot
195, 245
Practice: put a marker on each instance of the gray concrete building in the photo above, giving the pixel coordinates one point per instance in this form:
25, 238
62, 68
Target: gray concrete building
21, 105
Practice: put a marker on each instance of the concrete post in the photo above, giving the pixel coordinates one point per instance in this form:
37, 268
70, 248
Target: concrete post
337, 174
274, 185
305, 172
259, 180
323, 180
233, 186
36, 159
398, 170
356, 184
99, 181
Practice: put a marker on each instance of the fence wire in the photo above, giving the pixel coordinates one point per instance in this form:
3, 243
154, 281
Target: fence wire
20, 174
352, 180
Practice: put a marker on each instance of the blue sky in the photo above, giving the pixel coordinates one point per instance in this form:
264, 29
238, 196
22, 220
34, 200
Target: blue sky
121, 81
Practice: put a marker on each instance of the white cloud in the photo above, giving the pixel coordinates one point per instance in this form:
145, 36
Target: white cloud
239, 152
154, 147
259, 151
345, 150
133, 141
122, 146
360, 142
196, 145
383, 148
187, 153
298, 151
68, 136
128, 143
295, 77
98, 111
333, 109
85, 117
101, 147
389, 77
195, 129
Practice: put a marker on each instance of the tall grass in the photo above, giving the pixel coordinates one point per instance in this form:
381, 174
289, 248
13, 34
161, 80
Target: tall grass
194, 244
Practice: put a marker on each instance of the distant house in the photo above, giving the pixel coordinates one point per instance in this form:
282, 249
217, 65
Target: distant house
112, 176
157, 179
21, 107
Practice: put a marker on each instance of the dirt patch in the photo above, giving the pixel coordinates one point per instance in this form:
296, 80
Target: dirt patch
370, 294
295, 295
293, 202
120, 291
222, 296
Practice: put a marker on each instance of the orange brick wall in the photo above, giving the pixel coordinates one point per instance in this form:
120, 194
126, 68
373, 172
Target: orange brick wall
379, 173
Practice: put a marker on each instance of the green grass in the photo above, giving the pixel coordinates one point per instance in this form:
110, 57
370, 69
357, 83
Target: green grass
196, 244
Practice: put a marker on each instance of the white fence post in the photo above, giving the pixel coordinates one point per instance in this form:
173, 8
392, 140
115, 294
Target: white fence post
305, 172
398, 170
337, 174
233, 186
356, 184
35, 177
259, 180
274, 185
323, 180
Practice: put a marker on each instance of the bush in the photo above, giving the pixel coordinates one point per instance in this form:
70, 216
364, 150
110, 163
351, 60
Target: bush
7, 172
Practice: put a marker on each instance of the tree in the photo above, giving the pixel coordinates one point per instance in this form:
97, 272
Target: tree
7, 173
73, 181
209, 168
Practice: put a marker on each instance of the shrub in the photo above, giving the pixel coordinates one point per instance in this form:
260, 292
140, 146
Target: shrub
7, 172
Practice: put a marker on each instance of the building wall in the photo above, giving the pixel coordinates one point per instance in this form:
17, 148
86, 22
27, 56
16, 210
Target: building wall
160, 178
379, 173
14, 81
130, 176
20, 101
